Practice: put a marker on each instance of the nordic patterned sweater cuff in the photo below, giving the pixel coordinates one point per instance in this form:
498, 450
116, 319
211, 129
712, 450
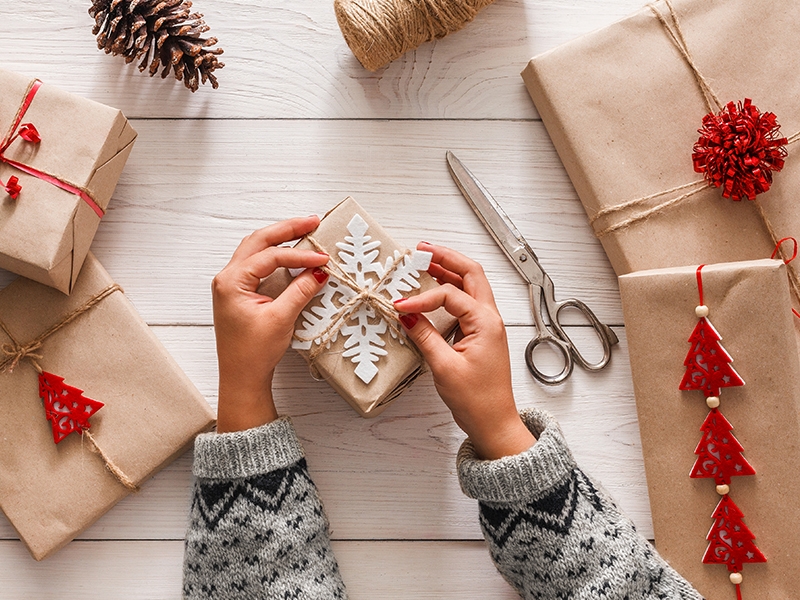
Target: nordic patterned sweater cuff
246, 453
525, 476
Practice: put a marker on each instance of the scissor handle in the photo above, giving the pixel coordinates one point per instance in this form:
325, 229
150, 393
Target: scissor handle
561, 346
606, 335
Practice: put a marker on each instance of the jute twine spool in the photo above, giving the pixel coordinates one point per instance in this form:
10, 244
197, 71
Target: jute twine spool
379, 31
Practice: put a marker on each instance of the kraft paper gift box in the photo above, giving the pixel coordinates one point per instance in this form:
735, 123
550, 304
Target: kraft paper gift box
749, 306
623, 109
52, 492
67, 178
368, 371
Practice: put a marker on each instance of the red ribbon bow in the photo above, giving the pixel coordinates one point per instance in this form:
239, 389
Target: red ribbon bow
13, 188
29, 133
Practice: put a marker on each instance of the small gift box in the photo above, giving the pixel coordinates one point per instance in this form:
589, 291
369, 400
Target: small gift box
349, 333
627, 132
109, 409
60, 159
718, 400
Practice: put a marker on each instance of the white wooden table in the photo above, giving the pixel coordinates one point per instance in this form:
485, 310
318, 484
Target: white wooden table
297, 125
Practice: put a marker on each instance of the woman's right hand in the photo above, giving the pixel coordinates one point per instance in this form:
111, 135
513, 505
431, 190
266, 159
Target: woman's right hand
473, 376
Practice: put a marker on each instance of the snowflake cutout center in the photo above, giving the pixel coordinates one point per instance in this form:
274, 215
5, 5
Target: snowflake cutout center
363, 327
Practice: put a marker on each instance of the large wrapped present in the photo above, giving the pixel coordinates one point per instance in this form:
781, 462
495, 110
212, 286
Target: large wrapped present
683, 367
109, 409
623, 106
60, 159
349, 333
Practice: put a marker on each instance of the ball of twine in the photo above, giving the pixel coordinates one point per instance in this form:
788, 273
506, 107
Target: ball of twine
379, 31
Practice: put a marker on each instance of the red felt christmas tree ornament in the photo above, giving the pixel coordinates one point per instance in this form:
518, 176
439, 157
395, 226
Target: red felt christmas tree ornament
65, 406
738, 149
719, 453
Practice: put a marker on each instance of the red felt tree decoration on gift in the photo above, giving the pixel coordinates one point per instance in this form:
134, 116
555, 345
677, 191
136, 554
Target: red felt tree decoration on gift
738, 149
730, 541
707, 363
719, 453
65, 406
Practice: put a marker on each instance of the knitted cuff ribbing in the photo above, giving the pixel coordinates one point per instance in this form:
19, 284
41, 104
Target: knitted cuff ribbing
523, 477
247, 453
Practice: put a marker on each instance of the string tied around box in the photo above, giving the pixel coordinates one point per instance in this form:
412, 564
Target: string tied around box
67, 409
29, 133
369, 296
379, 31
738, 150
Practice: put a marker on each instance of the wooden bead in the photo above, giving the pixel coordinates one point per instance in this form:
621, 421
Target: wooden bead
712, 401
736, 578
701, 311
723, 489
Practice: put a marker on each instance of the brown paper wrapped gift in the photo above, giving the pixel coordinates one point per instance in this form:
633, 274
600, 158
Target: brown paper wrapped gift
750, 308
46, 232
397, 362
51, 492
623, 109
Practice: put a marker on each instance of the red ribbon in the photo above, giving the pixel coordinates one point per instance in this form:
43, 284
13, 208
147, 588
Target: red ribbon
29, 133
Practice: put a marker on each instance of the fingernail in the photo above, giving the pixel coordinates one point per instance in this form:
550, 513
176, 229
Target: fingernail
426, 243
409, 320
323, 253
319, 275
400, 300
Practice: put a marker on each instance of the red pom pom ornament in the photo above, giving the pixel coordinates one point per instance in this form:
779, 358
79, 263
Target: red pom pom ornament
738, 149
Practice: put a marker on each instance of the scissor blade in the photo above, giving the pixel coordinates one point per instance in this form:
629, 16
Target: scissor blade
496, 221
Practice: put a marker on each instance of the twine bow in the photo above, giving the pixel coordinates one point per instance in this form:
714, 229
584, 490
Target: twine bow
29, 133
369, 296
673, 29
15, 352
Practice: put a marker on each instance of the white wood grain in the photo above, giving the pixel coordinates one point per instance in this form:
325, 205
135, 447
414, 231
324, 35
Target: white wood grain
193, 189
288, 59
146, 570
393, 477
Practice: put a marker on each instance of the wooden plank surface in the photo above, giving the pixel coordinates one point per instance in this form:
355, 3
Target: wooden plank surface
287, 59
144, 570
296, 126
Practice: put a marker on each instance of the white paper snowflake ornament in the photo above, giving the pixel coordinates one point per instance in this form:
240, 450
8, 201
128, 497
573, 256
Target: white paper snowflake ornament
356, 300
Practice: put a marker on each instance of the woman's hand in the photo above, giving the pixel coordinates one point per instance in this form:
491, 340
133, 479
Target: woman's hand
473, 377
254, 331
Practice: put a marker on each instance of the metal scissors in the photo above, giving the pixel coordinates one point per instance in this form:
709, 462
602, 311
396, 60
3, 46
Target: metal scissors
540, 286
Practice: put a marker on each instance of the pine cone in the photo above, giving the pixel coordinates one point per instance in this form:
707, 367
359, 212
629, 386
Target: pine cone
165, 28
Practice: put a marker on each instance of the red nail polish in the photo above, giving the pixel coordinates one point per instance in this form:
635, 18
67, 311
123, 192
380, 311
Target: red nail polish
409, 320
400, 300
319, 274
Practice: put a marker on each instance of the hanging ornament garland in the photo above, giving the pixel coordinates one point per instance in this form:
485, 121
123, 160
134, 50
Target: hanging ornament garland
719, 453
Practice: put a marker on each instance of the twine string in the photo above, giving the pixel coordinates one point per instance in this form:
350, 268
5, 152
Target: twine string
675, 32
379, 31
118, 474
15, 352
368, 296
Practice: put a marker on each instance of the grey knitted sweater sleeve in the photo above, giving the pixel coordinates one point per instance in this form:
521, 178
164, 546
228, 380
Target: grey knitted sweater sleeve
257, 528
553, 534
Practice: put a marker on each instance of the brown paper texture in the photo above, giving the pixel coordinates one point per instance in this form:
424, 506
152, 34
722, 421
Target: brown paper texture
50, 493
750, 308
401, 366
46, 233
623, 109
